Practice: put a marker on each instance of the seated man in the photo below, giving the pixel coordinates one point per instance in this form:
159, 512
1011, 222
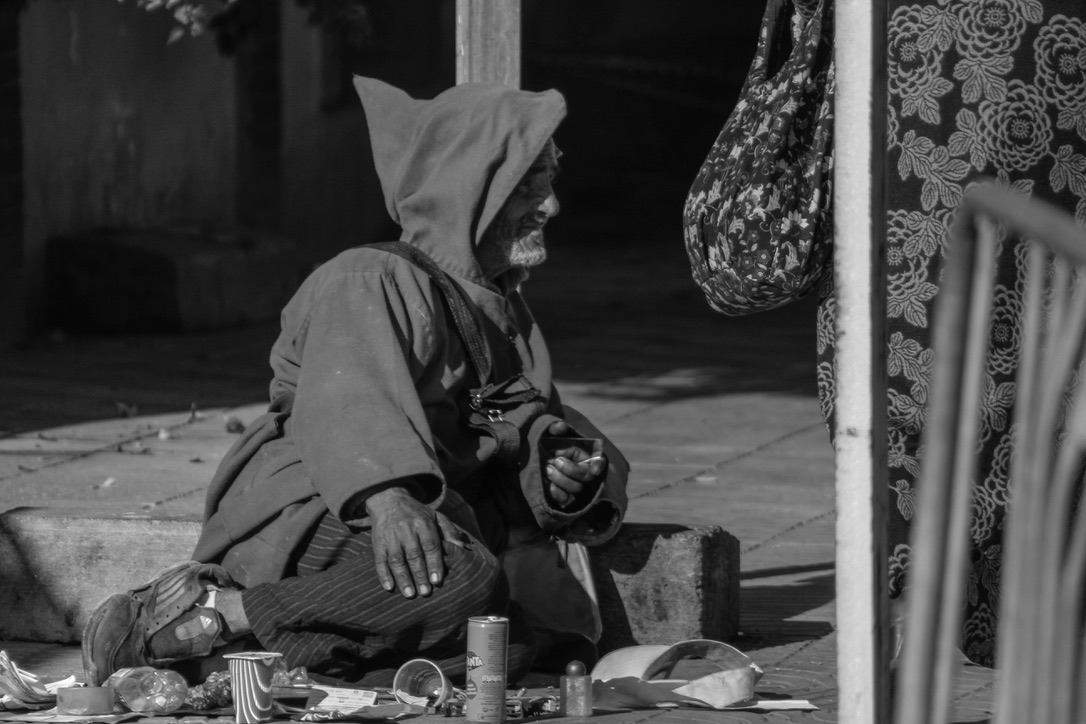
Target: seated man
414, 429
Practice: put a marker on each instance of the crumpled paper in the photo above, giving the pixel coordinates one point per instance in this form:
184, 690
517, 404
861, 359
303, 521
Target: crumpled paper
638, 677
22, 689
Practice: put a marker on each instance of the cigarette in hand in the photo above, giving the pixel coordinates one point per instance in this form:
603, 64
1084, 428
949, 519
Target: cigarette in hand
588, 460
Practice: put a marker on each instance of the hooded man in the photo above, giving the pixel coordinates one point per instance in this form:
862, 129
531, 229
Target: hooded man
414, 432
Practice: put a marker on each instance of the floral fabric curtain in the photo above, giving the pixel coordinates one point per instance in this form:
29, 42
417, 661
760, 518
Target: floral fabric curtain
977, 88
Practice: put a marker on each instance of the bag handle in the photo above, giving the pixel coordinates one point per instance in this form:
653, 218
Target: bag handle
455, 299
778, 44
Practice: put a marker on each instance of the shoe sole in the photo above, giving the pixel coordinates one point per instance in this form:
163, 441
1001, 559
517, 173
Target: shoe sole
92, 665
93, 668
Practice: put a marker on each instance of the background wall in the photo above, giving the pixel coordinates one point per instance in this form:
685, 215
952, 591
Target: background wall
332, 197
119, 127
648, 84
122, 129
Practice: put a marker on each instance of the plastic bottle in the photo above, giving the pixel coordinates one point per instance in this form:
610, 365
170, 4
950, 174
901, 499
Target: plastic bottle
147, 690
576, 689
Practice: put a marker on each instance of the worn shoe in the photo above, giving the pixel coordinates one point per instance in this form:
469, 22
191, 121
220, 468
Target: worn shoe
156, 624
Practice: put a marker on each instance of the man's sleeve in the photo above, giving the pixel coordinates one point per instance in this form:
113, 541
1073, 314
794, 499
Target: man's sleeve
357, 416
598, 519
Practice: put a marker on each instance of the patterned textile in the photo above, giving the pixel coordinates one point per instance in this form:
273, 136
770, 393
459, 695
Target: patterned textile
976, 87
757, 223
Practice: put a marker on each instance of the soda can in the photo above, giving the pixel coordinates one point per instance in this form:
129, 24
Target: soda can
488, 640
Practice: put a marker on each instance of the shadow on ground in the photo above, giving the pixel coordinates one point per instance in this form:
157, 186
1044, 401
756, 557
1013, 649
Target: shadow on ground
769, 612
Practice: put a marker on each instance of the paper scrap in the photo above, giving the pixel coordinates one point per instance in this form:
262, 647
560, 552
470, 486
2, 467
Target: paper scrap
406, 698
50, 715
774, 705
22, 689
342, 699
628, 678
382, 712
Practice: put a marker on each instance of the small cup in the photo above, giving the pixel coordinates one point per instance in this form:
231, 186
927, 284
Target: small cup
85, 701
251, 683
421, 678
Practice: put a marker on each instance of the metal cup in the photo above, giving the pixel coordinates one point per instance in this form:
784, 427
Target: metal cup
251, 683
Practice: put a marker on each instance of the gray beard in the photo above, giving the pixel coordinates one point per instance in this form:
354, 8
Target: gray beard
528, 251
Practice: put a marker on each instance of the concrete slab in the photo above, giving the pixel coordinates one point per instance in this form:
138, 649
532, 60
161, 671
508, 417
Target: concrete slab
57, 566
127, 465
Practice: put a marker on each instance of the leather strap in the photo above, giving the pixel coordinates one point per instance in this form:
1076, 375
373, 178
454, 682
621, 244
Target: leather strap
487, 404
457, 302
488, 407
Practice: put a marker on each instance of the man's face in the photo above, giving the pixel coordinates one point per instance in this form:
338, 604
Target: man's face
515, 238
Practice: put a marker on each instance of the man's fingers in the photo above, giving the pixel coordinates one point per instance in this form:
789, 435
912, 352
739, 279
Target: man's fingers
571, 485
407, 546
558, 428
384, 576
571, 482
561, 497
569, 453
416, 564
402, 575
434, 557
562, 489
587, 470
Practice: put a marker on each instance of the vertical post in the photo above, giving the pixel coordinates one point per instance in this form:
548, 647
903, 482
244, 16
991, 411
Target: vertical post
488, 41
859, 220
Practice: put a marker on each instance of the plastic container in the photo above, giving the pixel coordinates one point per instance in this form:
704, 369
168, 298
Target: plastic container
576, 688
85, 701
147, 690
421, 679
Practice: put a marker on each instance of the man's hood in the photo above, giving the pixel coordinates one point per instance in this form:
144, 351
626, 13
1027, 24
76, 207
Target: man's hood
448, 164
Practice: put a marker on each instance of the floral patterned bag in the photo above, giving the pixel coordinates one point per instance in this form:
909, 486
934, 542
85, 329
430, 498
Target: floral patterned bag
757, 221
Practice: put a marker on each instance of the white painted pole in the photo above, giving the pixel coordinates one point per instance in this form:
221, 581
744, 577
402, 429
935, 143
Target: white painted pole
859, 218
488, 41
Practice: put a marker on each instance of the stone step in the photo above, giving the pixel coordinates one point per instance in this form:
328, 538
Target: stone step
58, 565
662, 583
657, 583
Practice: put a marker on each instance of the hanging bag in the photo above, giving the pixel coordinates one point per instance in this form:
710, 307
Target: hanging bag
757, 220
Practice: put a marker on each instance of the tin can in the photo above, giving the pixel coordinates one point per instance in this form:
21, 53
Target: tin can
488, 639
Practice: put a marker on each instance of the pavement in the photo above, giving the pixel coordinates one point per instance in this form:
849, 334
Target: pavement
718, 416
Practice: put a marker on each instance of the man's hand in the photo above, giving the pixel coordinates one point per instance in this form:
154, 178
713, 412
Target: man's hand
407, 538
570, 469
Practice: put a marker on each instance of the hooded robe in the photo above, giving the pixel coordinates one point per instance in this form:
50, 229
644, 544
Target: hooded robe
370, 374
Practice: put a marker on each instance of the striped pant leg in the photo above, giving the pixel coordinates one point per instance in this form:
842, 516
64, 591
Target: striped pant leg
335, 618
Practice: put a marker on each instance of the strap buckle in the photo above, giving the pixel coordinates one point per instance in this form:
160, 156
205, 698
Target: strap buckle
493, 414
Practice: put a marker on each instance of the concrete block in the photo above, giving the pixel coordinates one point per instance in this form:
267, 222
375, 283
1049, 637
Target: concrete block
56, 566
660, 584
657, 583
